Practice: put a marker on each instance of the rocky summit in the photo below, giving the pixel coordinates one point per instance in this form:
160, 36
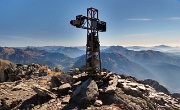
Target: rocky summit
35, 88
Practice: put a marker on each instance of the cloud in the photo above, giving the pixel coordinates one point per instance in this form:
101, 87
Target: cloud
174, 18
149, 34
139, 19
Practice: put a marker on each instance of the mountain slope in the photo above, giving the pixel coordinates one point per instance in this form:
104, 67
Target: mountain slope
119, 64
164, 68
144, 57
72, 52
29, 55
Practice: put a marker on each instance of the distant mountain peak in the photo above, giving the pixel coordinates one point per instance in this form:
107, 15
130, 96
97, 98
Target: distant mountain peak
162, 46
118, 48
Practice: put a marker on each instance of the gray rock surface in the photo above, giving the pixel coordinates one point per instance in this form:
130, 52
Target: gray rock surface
98, 103
43, 92
86, 92
156, 85
64, 88
112, 85
105, 91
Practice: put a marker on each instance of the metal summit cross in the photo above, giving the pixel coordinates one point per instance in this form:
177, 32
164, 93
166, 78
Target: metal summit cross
93, 25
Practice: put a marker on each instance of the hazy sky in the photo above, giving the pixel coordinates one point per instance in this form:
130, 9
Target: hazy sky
129, 22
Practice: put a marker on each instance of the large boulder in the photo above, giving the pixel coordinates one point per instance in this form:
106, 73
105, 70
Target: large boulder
7, 72
64, 88
86, 93
5, 69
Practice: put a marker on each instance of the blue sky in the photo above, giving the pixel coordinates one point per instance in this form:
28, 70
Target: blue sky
129, 22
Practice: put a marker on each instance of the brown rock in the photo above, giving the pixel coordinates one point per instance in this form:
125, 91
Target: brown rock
43, 92
21, 86
66, 99
112, 85
77, 83
98, 103
64, 88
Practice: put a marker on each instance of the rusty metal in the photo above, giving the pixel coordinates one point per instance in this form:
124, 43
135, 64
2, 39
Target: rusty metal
93, 25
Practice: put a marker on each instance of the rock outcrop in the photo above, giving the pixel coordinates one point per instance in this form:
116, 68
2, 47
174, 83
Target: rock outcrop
156, 86
13, 72
4, 64
76, 90
87, 92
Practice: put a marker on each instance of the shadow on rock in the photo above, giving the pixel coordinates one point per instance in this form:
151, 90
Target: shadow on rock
33, 101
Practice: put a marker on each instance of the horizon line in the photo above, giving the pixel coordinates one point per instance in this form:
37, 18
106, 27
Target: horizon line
100, 46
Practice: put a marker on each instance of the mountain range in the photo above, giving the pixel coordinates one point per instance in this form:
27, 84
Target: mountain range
163, 67
72, 52
33, 55
163, 48
118, 64
143, 64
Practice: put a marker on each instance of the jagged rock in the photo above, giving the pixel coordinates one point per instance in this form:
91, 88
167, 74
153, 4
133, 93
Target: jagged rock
77, 83
3, 105
64, 88
160, 101
5, 64
176, 95
132, 84
3, 78
86, 92
80, 77
65, 78
84, 74
43, 92
108, 75
6, 74
13, 77
123, 76
130, 90
66, 99
75, 77
100, 83
112, 85
83, 85
156, 85
141, 87
98, 103
41, 74
21, 86
12, 73
55, 82
131, 79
